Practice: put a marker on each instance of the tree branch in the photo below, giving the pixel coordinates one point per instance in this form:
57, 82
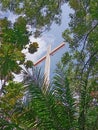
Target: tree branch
89, 60
86, 36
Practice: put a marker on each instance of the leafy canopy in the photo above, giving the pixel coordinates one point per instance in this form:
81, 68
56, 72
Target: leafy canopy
38, 13
81, 62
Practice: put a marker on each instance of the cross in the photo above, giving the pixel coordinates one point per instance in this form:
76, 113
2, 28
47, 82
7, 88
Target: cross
47, 62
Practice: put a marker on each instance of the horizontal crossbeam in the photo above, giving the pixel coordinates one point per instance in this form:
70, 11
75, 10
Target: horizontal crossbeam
51, 53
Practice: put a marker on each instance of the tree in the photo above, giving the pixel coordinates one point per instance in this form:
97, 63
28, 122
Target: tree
82, 60
13, 38
11, 105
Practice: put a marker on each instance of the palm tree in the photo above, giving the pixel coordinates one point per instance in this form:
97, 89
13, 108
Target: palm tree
58, 108
51, 110
35, 109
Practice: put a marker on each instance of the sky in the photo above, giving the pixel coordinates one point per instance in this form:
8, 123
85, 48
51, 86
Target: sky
53, 37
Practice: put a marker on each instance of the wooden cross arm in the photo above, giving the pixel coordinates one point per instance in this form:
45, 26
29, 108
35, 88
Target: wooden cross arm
40, 60
57, 48
51, 53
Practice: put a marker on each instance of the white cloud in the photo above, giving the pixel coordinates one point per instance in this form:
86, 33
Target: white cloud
12, 17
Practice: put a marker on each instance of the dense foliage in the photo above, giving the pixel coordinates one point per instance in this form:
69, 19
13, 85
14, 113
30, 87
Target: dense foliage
82, 60
38, 13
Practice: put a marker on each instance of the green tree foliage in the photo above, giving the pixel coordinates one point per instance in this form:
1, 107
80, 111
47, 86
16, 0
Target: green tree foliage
33, 47
52, 110
81, 62
13, 39
38, 13
15, 34
9, 58
11, 106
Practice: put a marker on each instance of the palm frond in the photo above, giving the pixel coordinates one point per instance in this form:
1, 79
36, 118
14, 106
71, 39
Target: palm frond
64, 98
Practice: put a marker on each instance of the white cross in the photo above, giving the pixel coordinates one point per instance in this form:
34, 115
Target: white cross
47, 62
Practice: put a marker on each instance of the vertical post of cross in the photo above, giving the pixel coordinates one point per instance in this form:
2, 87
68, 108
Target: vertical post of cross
47, 67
